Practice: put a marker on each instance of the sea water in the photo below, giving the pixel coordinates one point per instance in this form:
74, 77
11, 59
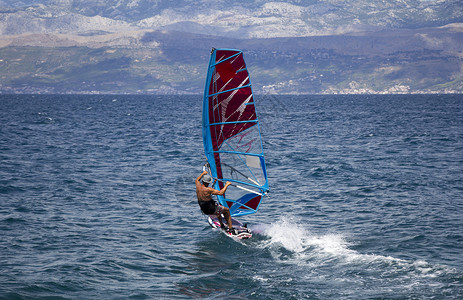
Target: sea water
98, 200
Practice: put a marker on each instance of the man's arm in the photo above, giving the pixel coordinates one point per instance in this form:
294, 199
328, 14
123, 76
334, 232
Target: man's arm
222, 191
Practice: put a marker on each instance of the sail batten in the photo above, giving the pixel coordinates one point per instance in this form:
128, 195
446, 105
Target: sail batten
231, 134
230, 90
235, 122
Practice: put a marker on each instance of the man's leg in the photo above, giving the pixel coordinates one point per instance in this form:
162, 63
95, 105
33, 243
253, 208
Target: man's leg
226, 214
219, 216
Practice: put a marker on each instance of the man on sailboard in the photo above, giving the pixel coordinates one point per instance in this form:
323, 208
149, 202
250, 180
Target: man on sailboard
207, 204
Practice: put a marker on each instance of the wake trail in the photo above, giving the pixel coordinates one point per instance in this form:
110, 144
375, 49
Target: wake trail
290, 242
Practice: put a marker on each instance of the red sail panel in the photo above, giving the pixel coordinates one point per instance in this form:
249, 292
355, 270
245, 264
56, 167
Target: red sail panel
250, 201
253, 203
233, 106
226, 71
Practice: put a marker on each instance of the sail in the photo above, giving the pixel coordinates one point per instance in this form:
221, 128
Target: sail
231, 134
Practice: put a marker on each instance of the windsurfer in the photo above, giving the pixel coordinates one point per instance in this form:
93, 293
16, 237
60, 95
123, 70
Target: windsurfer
209, 206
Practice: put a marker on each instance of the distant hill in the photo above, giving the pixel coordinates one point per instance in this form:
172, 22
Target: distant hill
232, 19
148, 46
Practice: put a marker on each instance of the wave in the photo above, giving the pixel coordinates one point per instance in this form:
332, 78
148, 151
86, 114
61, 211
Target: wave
288, 234
289, 242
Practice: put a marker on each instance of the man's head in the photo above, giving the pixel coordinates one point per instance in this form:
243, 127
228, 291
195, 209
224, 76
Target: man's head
206, 180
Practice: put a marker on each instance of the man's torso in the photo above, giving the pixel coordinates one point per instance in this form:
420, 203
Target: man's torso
203, 194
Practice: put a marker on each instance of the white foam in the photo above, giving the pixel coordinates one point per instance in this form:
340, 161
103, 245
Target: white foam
287, 234
290, 242
293, 237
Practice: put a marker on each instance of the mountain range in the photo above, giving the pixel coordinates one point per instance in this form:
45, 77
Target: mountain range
158, 46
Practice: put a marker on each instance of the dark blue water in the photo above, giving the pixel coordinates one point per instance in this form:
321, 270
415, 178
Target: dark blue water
97, 200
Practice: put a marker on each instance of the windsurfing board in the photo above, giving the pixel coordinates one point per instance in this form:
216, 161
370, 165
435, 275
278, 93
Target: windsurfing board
243, 231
